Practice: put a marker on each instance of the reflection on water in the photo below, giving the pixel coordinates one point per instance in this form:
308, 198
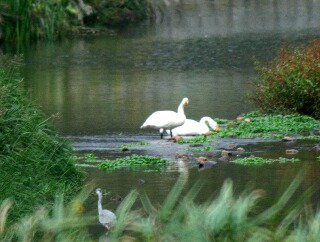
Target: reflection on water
203, 50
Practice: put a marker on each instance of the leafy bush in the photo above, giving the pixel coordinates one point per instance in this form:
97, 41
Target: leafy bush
291, 82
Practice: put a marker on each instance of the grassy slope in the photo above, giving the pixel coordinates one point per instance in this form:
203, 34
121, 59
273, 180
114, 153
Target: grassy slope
35, 162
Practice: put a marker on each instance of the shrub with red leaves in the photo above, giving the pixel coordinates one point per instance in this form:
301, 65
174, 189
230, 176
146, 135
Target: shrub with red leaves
291, 82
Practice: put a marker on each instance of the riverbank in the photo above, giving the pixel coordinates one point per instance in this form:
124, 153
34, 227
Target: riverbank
36, 163
23, 24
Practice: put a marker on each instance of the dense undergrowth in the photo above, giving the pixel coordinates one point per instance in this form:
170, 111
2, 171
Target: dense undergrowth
291, 82
35, 163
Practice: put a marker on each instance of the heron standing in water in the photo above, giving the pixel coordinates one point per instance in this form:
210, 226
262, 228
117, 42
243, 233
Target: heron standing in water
106, 217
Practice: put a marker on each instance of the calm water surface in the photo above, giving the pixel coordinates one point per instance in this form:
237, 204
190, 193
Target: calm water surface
102, 88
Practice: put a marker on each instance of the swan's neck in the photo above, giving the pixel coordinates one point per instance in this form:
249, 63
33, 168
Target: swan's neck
205, 121
181, 109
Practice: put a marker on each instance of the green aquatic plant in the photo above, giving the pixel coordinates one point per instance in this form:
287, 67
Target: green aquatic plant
221, 120
196, 140
200, 149
268, 126
134, 144
263, 161
133, 160
309, 137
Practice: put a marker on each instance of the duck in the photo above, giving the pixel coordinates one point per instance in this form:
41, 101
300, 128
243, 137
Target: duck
193, 127
166, 120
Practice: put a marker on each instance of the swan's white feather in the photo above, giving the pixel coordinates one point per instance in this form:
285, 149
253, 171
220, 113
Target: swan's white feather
192, 127
166, 120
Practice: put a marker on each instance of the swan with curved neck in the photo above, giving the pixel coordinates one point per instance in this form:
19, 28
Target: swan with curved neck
192, 127
106, 217
167, 120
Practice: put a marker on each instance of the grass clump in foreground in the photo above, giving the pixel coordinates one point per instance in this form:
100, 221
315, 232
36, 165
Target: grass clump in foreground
35, 163
227, 217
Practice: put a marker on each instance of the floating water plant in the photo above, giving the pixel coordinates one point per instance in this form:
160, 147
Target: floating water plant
200, 149
133, 160
263, 161
133, 144
269, 126
195, 140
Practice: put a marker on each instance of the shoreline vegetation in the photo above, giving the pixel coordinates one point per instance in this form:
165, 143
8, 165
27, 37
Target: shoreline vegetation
24, 22
39, 179
35, 162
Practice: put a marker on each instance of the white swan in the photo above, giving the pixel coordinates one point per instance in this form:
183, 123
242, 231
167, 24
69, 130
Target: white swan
166, 120
192, 127
106, 217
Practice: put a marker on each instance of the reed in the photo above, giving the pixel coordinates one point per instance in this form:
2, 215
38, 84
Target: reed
28, 20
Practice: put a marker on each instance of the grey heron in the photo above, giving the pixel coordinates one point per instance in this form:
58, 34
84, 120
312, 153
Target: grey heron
106, 217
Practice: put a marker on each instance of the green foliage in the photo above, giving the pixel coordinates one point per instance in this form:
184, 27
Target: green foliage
200, 149
291, 82
263, 161
221, 120
195, 140
115, 12
269, 126
29, 20
227, 217
35, 162
65, 222
133, 144
133, 160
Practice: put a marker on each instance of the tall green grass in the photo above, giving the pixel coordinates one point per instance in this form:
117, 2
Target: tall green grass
27, 20
226, 217
35, 162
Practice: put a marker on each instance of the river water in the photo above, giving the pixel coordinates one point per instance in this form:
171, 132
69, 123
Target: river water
100, 89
